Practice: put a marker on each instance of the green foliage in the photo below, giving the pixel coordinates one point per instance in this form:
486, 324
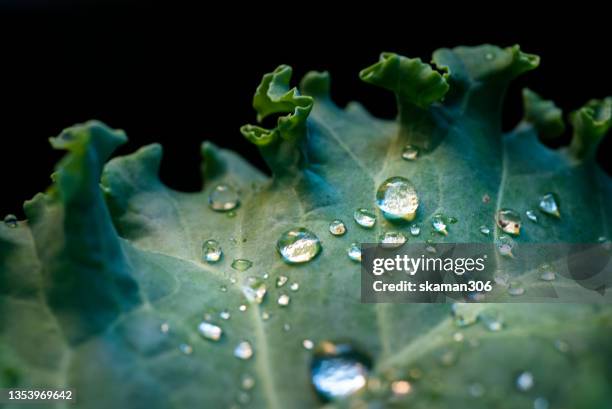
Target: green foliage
89, 278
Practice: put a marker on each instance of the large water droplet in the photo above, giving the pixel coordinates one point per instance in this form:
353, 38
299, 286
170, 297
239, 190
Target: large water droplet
241, 264
223, 198
548, 204
210, 331
438, 224
354, 252
531, 216
211, 251
243, 350
337, 227
397, 199
338, 370
298, 245
364, 218
410, 152
524, 381
415, 229
509, 221
11, 221
392, 239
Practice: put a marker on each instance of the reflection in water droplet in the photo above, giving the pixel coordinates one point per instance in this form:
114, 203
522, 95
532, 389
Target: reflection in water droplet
338, 370
307, 344
354, 252
485, 230
225, 315
211, 251
415, 229
437, 222
364, 218
243, 350
540, 403
247, 382
509, 221
186, 349
210, 331
548, 204
410, 152
532, 216
241, 264
298, 245
294, 287
337, 227
283, 300
524, 381
164, 327
11, 221
397, 199
392, 239
505, 245
281, 281
401, 388
223, 198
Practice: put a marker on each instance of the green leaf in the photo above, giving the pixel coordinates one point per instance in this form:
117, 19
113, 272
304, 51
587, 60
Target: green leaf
88, 280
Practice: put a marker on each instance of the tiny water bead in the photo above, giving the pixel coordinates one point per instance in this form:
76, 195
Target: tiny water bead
241, 264
548, 204
438, 224
524, 381
211, 251
308, 344
283, 300
337, 228
11, 221
509, 221
186, 349
415, 230
164, 327
476, 390
492, 321
531, 216
397, 199
281, 281
515, 289
392, 239
242, 308
254, 290
298, 245
247, 382
338, 370
505, 246
547, 272
410, 152
365, 218
210, 331
286, 327
294, 287
540, 403
243, 350
486, 198
223, 198
225, 315
354, 252
484, 230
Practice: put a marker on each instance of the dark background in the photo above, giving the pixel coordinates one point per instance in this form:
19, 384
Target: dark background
172, 74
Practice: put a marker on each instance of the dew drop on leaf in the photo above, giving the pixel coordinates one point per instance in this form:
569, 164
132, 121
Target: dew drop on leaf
210, 331
186, 349
281, 281
243, 350
298, 245
164, 327
547, 272
364, 218
484, 230
531, 216
286, 327
211, 251
308, 344
476, 390
492, 321
415, 229
486, 198
223, 198
438, 224
561, 346
241, 264
337, 228
516, 289
354, 252
254, 290
265, 316
338, 370
225, 315
548, 204
223, 288
283, 300
463, 314
401, 388
540, 403
11, 221
247, 382
509, 221
294, 287
397, 199
505, 245
410, 152
392, 239
524, 381
242, 308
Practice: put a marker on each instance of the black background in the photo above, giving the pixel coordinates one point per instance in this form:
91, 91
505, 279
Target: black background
178, 75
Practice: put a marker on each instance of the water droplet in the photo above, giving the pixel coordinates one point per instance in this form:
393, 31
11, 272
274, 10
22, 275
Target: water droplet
231, 214
241, 264
531, 216
243, 350
509, 221
430, 249
448, 358
548, 204
233, 280
223, 288
524, 381
223, 198
415, 230
410, 152
458, 337
492, 321
265, 316
283, 300
225, 315
476, 390
298, 245
516, 289
286, 327
307, 344
211, 251
11, 221
186, 349
210, 331
392, 239
486, 198
561, 346
337, 227
540, 403
489, 56
397, 199
243, 398
247, 382
242, 308
485, 230
364, 218
354, 252
464, 315
281, 280
164, 327
437, 222
294, 287
401, 388
547, 272
254, 289
338, 370
505, 245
